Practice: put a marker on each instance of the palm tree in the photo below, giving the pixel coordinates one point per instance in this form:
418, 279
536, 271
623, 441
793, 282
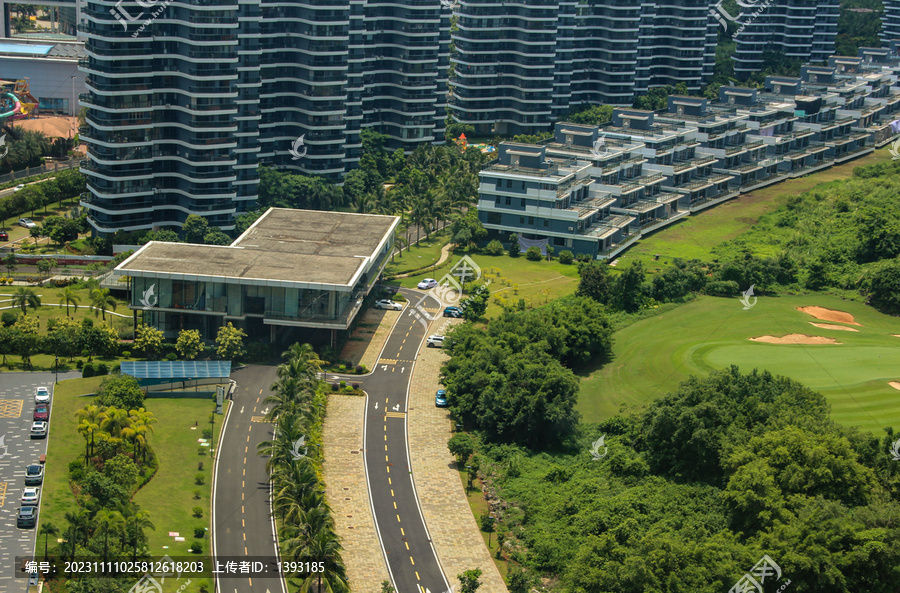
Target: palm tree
142, 423
24, 298
48, 529
88, 429
106, 521
69, 296
102, 301
323, 547
79, 523
113, 421
135, 525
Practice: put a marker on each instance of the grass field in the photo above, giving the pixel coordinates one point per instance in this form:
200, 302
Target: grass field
512, 277
424, 253
652, 356
697, 235
168, 497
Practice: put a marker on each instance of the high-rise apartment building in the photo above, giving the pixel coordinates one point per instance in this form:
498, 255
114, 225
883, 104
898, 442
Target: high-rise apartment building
802, 30
520, 66
890, 22
186, 99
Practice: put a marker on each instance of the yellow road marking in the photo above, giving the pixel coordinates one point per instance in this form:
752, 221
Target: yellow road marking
413, 562
3, 486
395, 505
10, 408
392, 491
257, 419
398, 518
395, 414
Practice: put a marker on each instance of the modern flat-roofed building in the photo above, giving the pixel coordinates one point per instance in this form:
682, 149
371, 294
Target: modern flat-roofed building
291, 268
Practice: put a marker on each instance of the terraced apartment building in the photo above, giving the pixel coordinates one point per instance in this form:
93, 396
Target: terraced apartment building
593, 190
187, 98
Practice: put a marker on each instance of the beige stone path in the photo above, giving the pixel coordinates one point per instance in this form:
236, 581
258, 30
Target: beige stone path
345, 487
447, 514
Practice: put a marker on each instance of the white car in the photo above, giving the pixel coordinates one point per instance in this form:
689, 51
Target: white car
42, 395
30, 497
435, 341
39, 429
388, 304
27, 223
18, 187
427, 283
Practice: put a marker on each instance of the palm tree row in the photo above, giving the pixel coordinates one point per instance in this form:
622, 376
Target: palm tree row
307, 531
119, 528
114, 427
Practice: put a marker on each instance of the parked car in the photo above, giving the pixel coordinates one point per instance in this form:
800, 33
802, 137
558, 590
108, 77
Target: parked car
33, 579
27, 223
34, 474
452, 312
427, 283
30, 497
41, 395
27, 517
388, 304
435, 342
39, 430
18, 187
440, 398
42, 412
4, 236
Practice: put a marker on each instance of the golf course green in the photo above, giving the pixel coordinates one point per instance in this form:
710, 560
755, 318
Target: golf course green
653, 355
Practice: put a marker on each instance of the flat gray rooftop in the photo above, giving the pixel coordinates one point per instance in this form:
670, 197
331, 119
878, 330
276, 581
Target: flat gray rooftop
284, 246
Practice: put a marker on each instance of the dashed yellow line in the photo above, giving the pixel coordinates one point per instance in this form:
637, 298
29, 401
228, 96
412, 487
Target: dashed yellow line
398, 518
3, 486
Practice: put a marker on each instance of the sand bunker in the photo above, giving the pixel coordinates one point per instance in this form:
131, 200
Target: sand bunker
795, 339
829, 315
830, 326
895, 384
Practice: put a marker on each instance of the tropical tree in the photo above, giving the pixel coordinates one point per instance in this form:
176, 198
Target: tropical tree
69, 297
108, 522
230, 342
102, 301
148, 340
47, 529
24, 298
189, 344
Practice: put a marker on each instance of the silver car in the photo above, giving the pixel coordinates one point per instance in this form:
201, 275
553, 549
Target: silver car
30, 497
388, 304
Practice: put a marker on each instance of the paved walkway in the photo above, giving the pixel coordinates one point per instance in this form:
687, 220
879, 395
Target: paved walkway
453, 529
348, 495
445, 255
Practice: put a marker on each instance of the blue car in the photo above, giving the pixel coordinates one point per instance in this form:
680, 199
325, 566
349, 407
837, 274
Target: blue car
452, 312
440, 398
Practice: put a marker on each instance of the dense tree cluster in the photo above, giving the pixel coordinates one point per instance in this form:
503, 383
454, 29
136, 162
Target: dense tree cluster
510, 381
698, 487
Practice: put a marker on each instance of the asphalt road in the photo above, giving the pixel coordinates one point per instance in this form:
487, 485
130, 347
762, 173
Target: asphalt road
17, 451
242, 525
408, 551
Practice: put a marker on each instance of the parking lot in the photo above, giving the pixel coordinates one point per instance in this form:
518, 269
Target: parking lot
17, 450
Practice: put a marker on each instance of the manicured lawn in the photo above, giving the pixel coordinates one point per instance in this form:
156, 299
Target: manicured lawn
697, 235
652, 356
513, 278
168, 497
50, 307
424, 253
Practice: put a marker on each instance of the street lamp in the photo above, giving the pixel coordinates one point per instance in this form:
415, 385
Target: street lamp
56, 365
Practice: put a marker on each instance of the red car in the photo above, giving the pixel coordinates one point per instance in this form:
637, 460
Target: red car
41, 412
4, 236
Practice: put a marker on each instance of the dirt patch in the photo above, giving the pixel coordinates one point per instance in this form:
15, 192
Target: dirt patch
895, 384
829, 315
53, 127
795, 339
830, 326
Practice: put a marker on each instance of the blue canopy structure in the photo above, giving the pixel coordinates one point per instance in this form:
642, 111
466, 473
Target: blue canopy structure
157, 371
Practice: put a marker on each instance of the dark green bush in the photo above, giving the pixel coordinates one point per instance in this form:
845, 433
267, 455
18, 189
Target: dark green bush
9, 318
88, 370
494, 248
566, 257
533, 253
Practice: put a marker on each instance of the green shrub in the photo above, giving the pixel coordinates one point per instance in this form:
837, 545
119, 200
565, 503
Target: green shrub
348, 389
196, 548
199, 479
335, 386
201, 450
9, 318
199, 532
171, 356
197, 512
513, 245
566, 257
343, 368
126, 354
102, 368
360, 369
722, 288
79, 364
207, 433
494, 248
197, 495
399, 298
88, 370
582, 257
533, 253
343, 383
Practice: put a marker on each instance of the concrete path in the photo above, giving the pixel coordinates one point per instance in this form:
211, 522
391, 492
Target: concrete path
453, 529
445, 255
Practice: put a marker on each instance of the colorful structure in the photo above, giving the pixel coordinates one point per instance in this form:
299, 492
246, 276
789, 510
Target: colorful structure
11, 106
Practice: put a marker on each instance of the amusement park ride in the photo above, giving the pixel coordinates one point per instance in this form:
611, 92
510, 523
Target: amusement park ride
16, 102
